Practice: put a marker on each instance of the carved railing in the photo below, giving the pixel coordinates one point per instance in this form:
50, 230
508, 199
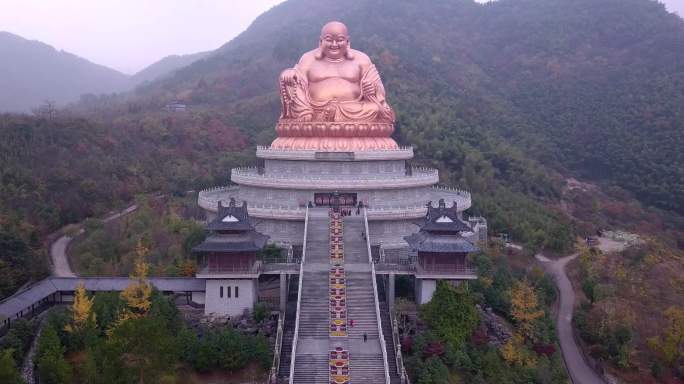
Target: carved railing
457, 191
273, 376
381, 336
206, 198
299, 298
280, 260
297, 154
251, 176
254, 267
290, 253
395, 259
396, 212
447, 269
401, 370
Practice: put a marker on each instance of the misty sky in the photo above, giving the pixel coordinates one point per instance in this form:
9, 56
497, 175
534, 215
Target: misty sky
128, 35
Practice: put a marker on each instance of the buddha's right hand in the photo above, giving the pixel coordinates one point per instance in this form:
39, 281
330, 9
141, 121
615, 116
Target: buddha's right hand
289, 76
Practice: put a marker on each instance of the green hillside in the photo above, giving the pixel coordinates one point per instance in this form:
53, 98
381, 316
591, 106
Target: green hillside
589, 87
503, 98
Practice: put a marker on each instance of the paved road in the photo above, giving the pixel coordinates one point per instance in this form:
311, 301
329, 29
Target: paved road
60, 261
580, 372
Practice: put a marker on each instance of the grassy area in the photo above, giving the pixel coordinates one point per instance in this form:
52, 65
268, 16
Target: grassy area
624, 299
166, 227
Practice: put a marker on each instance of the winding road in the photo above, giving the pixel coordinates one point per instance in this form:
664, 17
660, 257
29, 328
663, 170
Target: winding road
580, 371
60, 261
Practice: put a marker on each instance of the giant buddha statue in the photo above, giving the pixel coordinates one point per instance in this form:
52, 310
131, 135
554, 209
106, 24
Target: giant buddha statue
334, 100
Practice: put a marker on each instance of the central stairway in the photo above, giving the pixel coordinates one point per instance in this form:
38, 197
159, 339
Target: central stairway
311, 357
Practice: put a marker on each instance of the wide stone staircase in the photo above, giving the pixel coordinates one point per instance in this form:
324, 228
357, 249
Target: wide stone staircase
361, 307
311, 360
314, 342
311, 369
366, 365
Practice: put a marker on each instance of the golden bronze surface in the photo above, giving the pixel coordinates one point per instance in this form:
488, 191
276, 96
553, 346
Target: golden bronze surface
333, 99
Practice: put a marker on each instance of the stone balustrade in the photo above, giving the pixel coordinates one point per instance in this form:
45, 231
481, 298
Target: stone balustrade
267, 152
252, 177
208, 199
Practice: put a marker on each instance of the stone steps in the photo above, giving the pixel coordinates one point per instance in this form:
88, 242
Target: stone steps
314, 318
366, 368
389, 343
289, 328
311, 369
387, 333
361, 306
311, 365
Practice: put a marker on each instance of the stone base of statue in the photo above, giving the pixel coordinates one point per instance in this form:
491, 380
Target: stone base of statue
334, 136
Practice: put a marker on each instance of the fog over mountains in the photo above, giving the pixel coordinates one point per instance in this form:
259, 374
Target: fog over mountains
32, 72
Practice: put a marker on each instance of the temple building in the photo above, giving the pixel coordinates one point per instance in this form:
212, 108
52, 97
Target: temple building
228, 262
441, 250
346, 200
349, 212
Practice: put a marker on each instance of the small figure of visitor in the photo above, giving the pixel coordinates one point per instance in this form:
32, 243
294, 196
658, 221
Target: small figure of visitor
365, 337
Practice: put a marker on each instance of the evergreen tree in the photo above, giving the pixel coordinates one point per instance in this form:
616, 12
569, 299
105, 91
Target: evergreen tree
52, 367
9, 373
451, 313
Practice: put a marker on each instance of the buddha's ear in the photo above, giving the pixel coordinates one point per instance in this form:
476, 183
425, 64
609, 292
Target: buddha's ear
319, 54
349, 55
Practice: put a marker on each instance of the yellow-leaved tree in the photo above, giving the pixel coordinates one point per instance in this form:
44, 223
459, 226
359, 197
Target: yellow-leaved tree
525, 308
82, 311
137, 294
514, 352
671, 343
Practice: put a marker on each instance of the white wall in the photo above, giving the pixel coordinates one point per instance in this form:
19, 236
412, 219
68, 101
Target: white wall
425, 288
229, 306
198, 297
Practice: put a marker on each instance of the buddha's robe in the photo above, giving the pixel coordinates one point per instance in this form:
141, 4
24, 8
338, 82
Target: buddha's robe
298, 105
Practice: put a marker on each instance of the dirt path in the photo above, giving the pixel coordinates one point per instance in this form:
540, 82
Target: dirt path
60, 261
580, 371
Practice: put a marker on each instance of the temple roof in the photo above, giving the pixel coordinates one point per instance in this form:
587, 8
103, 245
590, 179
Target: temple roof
242, 242
443, 219
232, 231
429, 242
231, 218
441, 231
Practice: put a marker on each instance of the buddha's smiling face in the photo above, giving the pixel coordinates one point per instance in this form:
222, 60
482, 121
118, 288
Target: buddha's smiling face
334, 41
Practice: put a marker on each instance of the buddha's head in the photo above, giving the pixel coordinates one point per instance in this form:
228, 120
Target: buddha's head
334, 42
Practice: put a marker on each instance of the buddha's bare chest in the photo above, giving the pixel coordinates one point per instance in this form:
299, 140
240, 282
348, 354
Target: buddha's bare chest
323, 70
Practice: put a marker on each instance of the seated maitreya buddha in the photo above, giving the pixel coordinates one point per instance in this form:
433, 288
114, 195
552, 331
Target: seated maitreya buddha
333, 99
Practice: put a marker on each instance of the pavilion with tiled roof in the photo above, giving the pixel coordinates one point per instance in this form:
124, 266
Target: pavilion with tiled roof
441, 249
228, 260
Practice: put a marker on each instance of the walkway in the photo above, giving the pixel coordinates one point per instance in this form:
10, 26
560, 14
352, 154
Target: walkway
32, 297
580, 371
60, 261
321, 342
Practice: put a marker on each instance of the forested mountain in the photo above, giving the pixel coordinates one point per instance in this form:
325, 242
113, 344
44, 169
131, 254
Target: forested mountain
167, 66
32, 72
593, 87
503, 98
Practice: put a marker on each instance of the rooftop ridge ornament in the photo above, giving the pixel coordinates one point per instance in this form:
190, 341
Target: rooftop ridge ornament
333, 99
